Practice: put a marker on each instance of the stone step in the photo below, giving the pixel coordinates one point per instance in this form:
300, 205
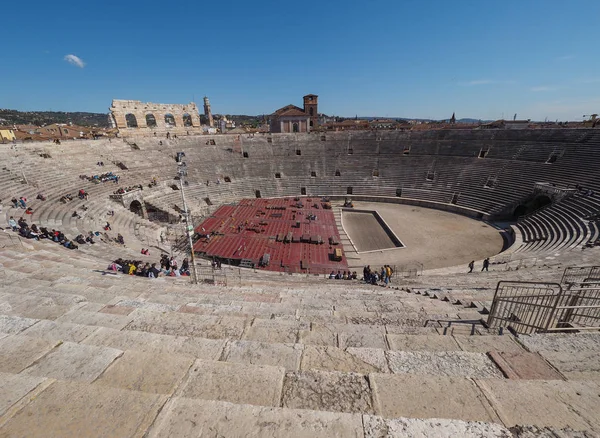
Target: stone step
62, 407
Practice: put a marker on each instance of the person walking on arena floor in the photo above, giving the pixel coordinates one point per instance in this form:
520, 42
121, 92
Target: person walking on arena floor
486, 264
471, 266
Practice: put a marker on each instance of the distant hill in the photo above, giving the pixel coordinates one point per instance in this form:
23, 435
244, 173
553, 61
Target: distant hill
40, 118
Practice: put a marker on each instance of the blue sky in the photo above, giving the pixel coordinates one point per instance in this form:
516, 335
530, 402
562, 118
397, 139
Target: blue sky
481, 59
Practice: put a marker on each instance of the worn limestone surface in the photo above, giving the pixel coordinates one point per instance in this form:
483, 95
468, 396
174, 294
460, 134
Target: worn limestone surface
184, 324
358, 360
443, 363
318, 337
574, 355
208, 349
274, 331
377, 427
148, 305
262, 353
72, 361
484, 344
19, 351
327, 391
14, 387
147, 372
69, 409
53, 331
359, 336
236, 383
184, 417
552, 403
95, 318
429, 397
529, 431
524, 365
15, 324
422, 342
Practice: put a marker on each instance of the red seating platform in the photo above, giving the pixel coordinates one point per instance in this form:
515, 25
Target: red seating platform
255, 227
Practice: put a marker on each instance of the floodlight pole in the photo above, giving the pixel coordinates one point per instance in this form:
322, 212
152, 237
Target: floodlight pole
189, 229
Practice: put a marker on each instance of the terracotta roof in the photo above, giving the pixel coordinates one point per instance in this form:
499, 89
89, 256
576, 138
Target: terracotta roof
290, 110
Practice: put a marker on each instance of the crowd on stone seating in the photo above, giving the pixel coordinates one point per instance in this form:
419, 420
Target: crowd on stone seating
343, 275
34, 232
122, 190
168, 267
104, 177
374, 276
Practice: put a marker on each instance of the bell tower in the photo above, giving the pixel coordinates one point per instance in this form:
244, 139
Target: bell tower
311, 108
208, 113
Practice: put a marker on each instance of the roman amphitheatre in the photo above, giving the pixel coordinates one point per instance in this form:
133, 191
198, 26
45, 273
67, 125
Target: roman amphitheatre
270, 346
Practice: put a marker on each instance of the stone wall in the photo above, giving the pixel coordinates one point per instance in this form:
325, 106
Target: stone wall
133, 117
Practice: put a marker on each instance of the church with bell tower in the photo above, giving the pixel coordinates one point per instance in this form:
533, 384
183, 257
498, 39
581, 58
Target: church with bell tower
291, 118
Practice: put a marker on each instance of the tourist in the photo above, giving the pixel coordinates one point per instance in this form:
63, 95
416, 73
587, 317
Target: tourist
120, 239
153, 272
13, 224
15, 203
486, 264
23, 203
107, 227
185, 267
471, 266
332, 275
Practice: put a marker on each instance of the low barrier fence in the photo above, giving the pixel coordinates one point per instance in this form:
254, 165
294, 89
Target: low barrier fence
527, 307
580, 274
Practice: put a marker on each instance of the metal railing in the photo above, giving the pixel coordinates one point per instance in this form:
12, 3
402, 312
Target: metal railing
209, 275
580, 274
527, 307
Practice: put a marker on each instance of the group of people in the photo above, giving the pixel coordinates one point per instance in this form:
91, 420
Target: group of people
485, 266
343, 275
168, 267
374, 276
19, 203
108, 176
34, 232
122, 190
82, 240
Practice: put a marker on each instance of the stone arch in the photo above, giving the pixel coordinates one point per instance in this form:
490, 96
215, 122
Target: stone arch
170, 120
136, 207
187, 120
150, 120
131, 120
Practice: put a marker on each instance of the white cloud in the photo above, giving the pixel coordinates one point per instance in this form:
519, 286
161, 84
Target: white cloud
541, 88
75, 60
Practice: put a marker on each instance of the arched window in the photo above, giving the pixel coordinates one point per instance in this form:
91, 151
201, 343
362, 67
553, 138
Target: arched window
187, 120
150, 120
131, 121
170, 120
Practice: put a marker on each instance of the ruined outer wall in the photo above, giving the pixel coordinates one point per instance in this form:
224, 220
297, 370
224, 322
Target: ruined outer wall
120, 108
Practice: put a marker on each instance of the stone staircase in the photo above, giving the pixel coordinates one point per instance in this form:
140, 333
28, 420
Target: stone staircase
313, 358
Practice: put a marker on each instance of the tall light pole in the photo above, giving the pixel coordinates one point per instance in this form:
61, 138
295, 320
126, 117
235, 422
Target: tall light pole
189, 228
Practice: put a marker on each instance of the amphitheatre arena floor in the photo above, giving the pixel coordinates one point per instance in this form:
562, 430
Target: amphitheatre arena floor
435, 238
